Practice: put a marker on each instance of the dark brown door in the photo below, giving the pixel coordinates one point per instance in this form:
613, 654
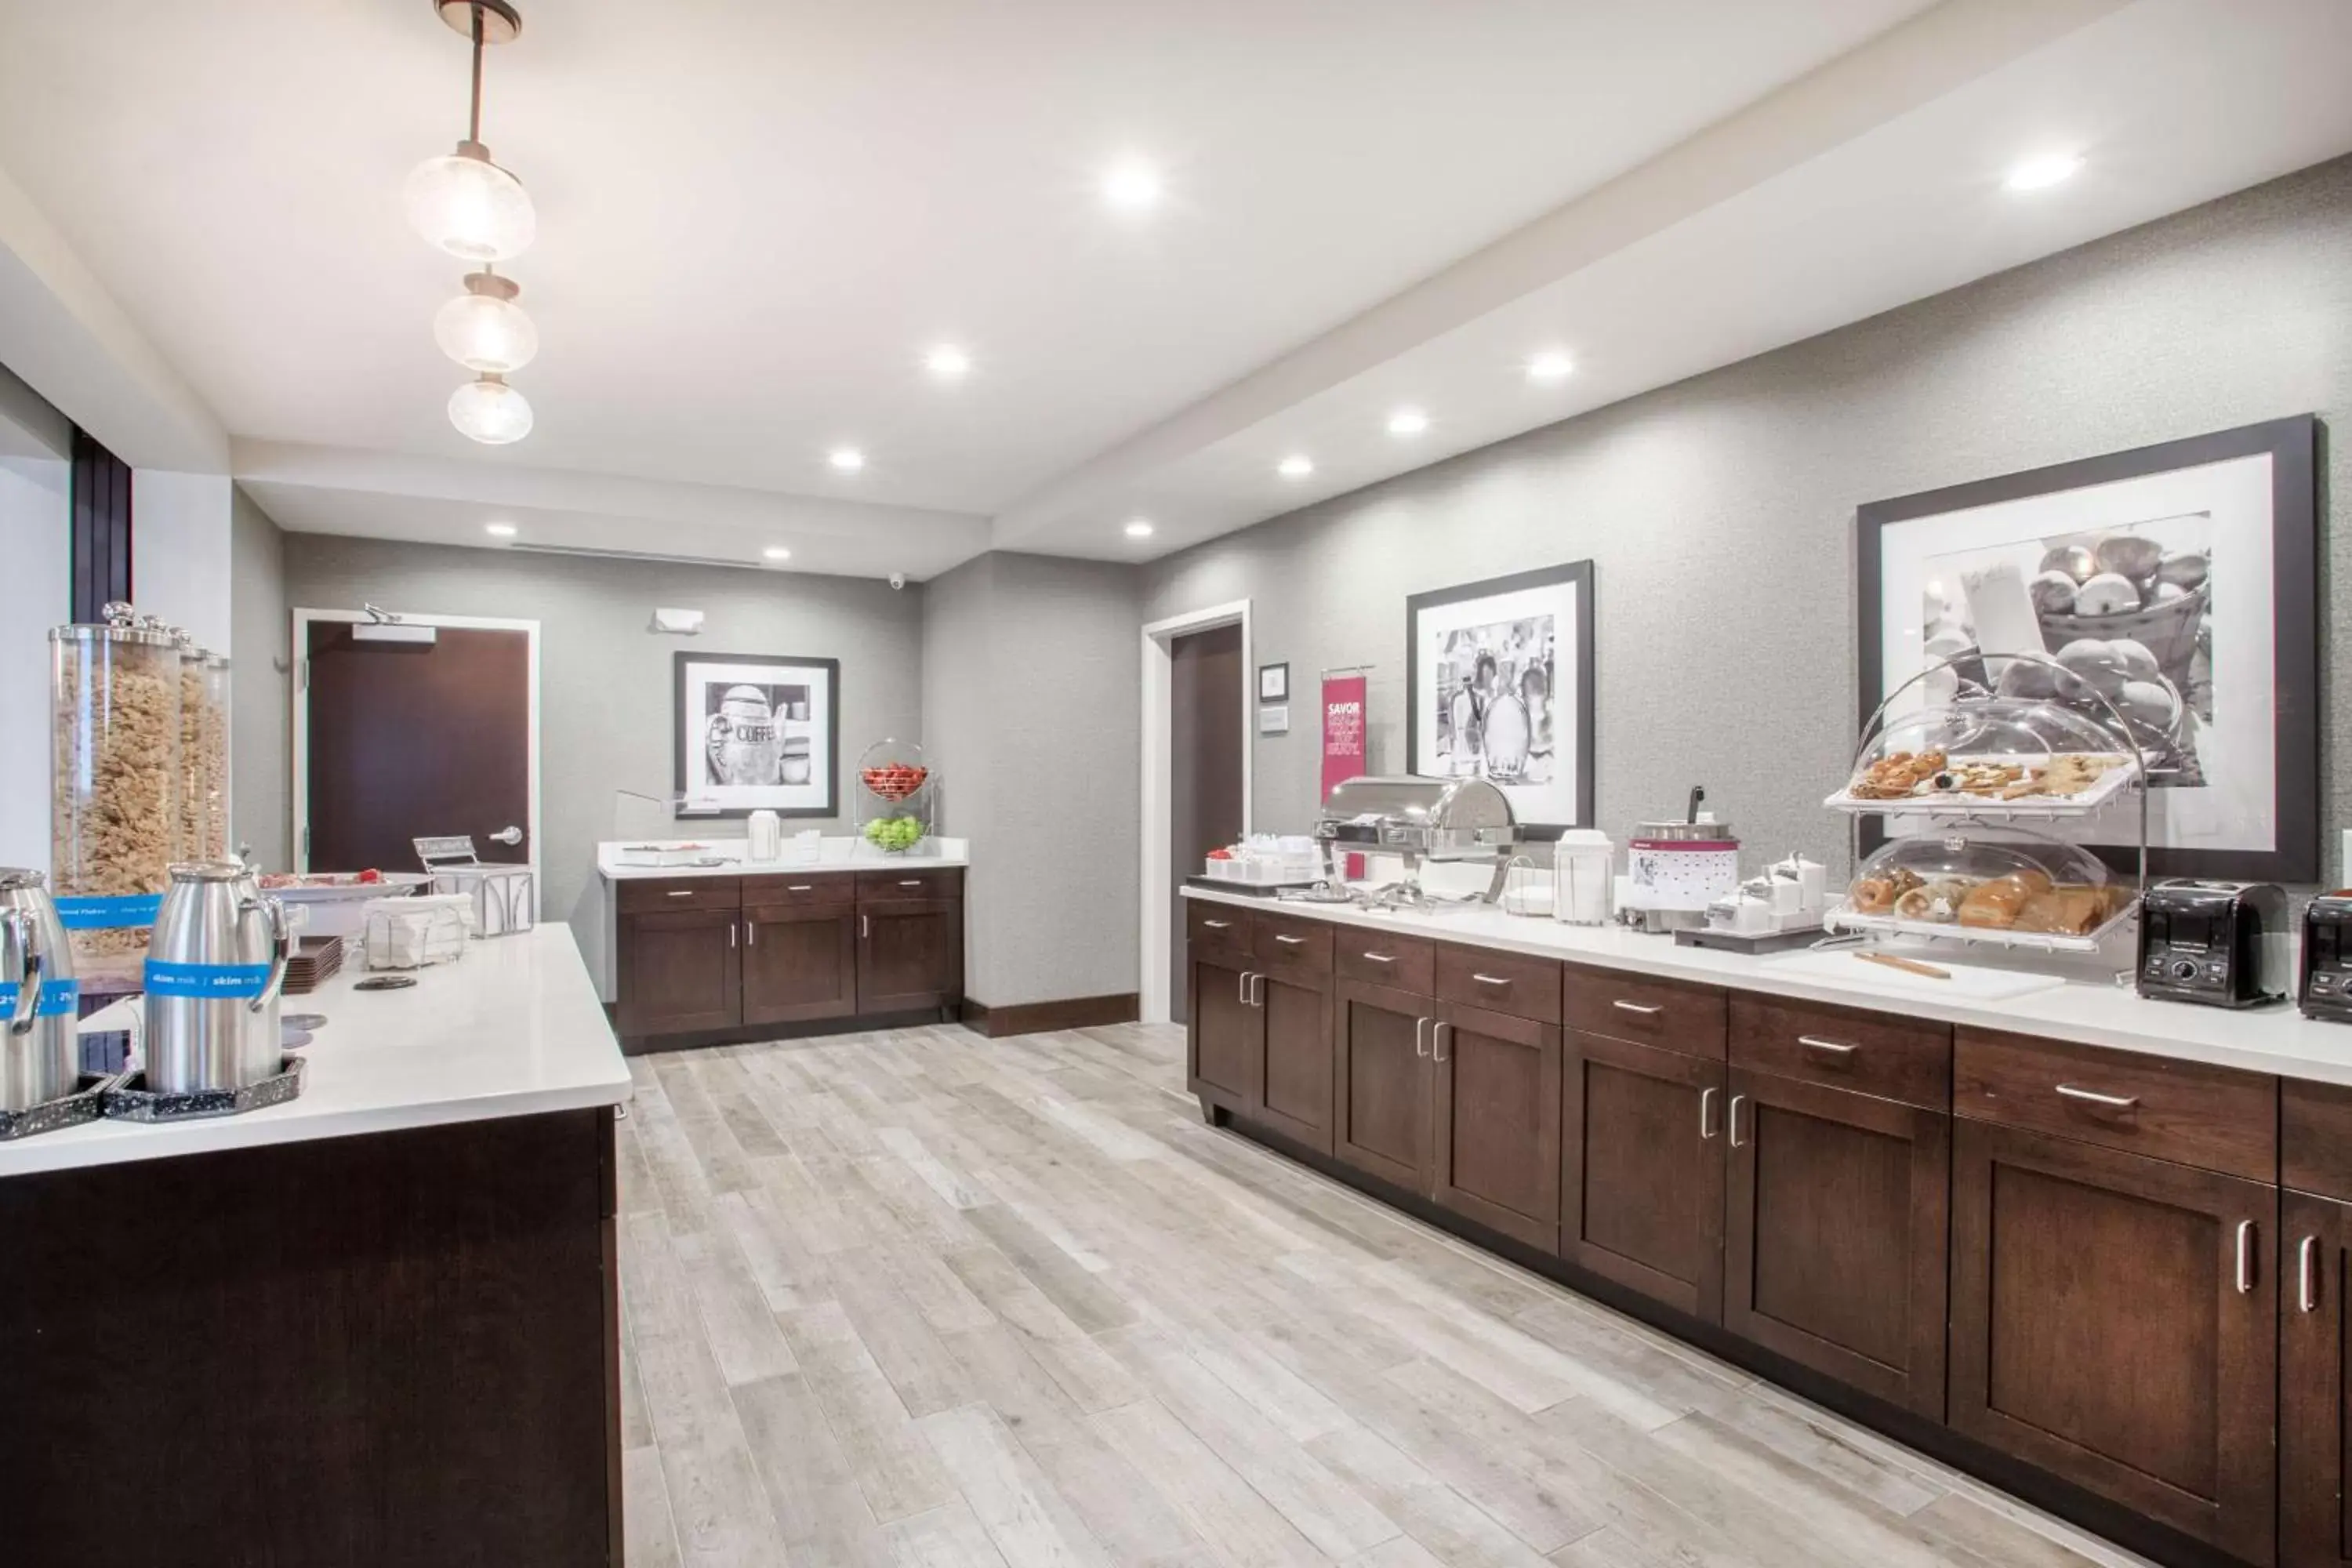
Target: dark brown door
1295, 1092
1496, 1159
1641, 1161
909, 953
1836, 1235
1204, 760
681, 972
798, 963
412, 740
1381, 1090
1227, 1035
2115, 1321
2315, 1393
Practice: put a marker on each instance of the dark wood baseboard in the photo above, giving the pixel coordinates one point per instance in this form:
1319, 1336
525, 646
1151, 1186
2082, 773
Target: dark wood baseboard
1041, 1017
807, 1028
2092, 1512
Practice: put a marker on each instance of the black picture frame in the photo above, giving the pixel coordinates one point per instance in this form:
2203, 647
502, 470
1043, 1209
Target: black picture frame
1578, 576
830, 669
2295, 448
1281, 672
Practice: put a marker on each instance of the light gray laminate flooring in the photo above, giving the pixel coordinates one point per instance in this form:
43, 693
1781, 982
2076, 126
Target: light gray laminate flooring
923, 1299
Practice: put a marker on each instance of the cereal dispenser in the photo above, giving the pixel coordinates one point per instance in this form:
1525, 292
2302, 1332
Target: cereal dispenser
203, 752
115, 816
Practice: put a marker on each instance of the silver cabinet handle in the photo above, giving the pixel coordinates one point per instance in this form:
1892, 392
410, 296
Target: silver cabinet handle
1380, 957
864, 926
1834, 1048
1241, 988
912, 882
1257, 990
750, 933
2306, 1284
733, 932
1737, 1101
1624, 1006
1291, 940
2093, 1097
2245, 1257
1438, 1035
680, 893
1705, 1121
800, 888
1218, 925
1489, 979
1420, 1036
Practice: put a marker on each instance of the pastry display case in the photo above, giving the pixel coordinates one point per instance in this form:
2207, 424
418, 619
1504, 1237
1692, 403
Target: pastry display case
2018, 756
2010, 886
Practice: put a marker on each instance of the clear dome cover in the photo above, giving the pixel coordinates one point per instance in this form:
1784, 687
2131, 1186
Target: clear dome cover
1990, 749
2015, 882
471, 207
486, 333
490, 412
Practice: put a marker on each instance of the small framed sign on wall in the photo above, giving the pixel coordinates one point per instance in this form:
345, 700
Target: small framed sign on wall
1274, 683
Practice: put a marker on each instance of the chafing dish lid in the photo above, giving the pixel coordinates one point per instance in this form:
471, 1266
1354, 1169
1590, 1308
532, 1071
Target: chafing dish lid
1438, 803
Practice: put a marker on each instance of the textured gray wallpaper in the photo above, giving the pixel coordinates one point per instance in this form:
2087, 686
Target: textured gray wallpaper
260, 718
1719, 511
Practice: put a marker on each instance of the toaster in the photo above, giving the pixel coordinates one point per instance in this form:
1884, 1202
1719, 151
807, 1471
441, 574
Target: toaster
2327, 991
2219, 943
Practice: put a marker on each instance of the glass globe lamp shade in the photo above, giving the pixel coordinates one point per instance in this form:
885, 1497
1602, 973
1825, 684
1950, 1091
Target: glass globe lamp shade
486, 333
490, 412
469, 206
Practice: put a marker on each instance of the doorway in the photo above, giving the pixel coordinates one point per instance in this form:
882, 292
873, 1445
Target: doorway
1196, 777
412, 727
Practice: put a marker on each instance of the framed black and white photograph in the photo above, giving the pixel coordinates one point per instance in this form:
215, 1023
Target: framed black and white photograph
1274, 683
757, 731
2177, 583
1498, 677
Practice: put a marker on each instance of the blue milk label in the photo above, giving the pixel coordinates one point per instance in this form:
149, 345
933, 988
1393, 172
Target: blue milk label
58, 998
206, 981
109, 912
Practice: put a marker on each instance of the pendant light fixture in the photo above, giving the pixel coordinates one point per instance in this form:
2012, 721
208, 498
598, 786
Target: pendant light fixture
468, 205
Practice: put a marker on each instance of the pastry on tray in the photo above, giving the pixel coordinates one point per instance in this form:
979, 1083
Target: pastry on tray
1996, 904
2069, 909
1938, 903
1875, 894
1897, 776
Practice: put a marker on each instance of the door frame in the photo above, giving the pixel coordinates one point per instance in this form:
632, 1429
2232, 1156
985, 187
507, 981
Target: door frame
298, 793
1157, 934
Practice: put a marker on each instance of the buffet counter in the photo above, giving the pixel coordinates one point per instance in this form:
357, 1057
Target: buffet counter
726, 858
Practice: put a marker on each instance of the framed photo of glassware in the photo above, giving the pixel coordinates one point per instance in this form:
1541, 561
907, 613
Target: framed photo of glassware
1499, 683
2178, 581
757, 731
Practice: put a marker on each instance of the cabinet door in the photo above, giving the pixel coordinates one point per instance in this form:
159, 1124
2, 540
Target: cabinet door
2115, 1322
679, 972
2315, 1393
1225, 1038
799, 963
1496, 1155
910, 954
1294, 1024
1642, 1169
1380, 1081
1837, 1237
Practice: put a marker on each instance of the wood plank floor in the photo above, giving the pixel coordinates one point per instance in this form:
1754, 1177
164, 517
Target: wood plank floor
923, 1298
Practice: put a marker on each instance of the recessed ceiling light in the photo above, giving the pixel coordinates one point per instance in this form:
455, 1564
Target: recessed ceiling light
1408, 422
947, 362
1298, 466
499, 530
1552, 365
777, 553
848, 459
1138, 529
1132, 186
2041, 173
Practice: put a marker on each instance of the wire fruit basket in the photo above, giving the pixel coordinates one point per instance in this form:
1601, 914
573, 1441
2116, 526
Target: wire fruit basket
897, 789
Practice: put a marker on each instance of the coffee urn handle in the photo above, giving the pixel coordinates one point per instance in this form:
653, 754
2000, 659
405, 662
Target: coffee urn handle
25, 963
281, 946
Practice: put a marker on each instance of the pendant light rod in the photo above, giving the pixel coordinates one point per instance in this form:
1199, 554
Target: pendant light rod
474, 120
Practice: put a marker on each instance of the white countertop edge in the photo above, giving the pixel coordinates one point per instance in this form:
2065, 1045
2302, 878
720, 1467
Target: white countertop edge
2274, 1039
936, 855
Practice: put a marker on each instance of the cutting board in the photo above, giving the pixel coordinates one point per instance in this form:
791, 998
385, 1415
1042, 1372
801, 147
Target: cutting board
1974, 982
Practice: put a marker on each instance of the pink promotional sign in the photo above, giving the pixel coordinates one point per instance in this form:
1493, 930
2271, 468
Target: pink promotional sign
1343, 730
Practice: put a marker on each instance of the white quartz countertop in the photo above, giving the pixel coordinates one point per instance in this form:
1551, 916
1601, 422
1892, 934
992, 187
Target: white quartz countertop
2274, 1040
513, 1028
834, 855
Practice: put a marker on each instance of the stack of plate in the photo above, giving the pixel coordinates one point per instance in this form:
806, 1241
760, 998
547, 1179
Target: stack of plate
314, 959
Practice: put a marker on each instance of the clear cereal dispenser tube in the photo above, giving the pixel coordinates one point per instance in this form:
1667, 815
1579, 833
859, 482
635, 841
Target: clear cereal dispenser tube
115, 820
203, 752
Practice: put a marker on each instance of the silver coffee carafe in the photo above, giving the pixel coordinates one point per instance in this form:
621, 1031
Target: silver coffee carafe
40, 1044
214, 971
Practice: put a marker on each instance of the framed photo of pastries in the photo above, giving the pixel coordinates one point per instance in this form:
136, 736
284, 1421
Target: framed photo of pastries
2177, 581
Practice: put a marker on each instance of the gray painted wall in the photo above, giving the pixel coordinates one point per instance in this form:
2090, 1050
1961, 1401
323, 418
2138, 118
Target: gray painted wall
1030, 670
260, 717
1719, 511
605, 681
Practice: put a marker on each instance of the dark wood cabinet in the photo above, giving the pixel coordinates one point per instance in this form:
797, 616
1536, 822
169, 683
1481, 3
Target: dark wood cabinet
1382, 1089
2314, 1391
1294, 1085
1836, 1234
1642, 1169
2114, 1321
680, 972
1495, 1158
1225, 1046
909, 953
799, 963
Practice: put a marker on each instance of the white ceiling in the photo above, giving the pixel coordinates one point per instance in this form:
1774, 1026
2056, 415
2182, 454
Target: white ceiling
753, 219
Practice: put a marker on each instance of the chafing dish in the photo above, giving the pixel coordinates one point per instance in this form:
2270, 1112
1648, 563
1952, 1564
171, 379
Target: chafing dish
1466, 819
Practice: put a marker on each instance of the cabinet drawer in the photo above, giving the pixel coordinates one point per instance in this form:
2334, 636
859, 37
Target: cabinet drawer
1217, 927
1844, 1048
1500, 982
1377, 958
2217, 1118
1671, 1015
643, 897
1285, 944
933, 884
800, 892
2315, 1138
